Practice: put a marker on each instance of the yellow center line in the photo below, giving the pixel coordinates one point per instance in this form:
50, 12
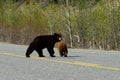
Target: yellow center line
65, 62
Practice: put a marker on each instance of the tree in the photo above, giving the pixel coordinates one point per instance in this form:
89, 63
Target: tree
69, 26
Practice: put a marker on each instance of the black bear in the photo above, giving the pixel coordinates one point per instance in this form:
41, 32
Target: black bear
62, 48
44, 41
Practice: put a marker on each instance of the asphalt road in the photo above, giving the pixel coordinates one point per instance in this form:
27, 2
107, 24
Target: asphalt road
80, 64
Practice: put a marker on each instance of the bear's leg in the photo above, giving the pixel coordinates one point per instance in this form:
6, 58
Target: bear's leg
29, 50
51, 52
65, 55
66, 52
40, 52
61, 53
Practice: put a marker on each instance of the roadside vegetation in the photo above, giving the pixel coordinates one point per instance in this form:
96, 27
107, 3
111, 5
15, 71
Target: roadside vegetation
83, 23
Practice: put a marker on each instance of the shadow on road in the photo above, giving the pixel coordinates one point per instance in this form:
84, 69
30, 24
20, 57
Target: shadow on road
73, 56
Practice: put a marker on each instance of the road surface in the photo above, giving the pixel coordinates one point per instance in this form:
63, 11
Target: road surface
81, 64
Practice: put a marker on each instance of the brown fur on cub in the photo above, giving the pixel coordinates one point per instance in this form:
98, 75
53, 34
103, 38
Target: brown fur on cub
62, 48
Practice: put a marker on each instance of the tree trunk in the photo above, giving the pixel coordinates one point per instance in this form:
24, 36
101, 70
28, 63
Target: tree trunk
69, 24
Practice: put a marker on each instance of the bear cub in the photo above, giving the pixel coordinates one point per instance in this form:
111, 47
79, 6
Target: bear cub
62, 48
44, 41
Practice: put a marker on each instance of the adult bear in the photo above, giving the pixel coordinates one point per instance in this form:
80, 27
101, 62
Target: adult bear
44, 41
62, 48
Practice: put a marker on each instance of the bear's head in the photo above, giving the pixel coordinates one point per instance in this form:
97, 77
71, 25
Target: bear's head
58, 37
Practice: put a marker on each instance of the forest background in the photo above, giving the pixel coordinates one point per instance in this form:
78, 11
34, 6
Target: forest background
83, 23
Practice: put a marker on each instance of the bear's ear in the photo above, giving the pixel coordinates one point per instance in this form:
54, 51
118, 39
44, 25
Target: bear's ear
55, 34
58, 36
